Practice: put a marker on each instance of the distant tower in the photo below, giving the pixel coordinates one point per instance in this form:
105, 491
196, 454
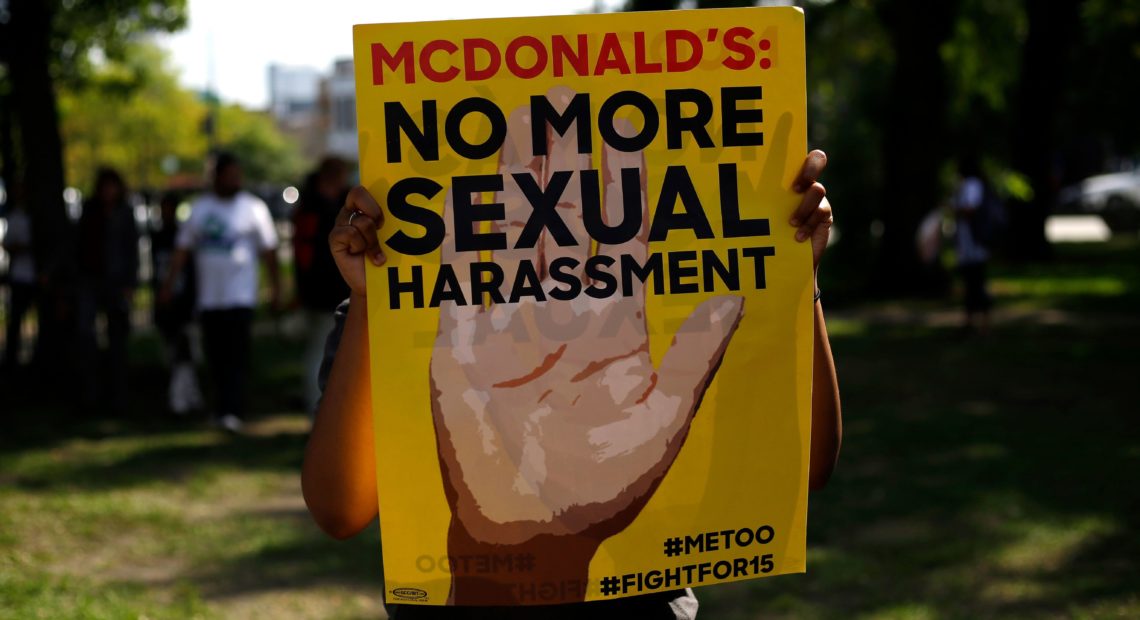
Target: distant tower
294, 94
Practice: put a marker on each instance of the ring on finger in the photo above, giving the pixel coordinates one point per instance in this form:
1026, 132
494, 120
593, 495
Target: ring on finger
355, 212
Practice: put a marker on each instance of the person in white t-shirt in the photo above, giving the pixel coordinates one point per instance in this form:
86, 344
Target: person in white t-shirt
228, 231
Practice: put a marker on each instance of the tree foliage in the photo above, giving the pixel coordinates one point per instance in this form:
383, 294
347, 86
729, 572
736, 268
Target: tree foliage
86, 31
1040, 92
267, 155
132, 114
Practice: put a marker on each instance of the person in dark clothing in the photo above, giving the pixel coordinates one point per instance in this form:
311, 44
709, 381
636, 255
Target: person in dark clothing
108, 269
972, 215
21, 274
173, 319
319, 284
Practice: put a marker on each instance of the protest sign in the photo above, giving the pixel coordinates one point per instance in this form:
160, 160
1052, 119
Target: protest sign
591, 344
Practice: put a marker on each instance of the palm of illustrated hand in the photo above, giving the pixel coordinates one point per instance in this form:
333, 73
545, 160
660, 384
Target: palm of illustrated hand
550, 416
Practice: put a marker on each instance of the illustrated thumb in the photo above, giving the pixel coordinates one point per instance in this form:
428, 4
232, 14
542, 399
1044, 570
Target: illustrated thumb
698, 348
655, 431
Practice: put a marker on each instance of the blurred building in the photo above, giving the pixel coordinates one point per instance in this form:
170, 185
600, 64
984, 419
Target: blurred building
318, 110
340, 93
293, 93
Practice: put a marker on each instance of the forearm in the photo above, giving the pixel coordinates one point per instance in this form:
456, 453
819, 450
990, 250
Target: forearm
339, 478
272, 271
826, 415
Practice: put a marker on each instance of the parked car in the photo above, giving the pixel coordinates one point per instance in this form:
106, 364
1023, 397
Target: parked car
1115, 197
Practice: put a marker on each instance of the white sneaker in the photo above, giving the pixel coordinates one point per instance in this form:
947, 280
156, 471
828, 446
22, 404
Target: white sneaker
231, 423
181, 386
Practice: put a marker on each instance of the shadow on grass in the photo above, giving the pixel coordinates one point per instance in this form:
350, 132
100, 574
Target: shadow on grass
44, 416
979, 478
162, 462
310, 559
97, 450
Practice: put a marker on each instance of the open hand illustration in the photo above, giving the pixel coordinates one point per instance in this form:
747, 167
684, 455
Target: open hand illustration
553, 426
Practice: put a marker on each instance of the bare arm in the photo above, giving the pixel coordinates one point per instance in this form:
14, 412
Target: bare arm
274, 272
812, 221
338, 478
339, 475
826, 416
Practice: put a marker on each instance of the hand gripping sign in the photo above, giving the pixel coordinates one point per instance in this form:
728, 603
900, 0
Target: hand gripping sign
591, 352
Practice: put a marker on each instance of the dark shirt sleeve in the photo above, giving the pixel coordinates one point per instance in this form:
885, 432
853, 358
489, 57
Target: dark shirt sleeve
331, 344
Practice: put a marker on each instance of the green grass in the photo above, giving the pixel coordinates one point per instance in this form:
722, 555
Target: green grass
146, 515
980, 478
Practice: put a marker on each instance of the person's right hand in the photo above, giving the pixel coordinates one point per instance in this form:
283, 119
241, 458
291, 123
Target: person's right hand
354, 237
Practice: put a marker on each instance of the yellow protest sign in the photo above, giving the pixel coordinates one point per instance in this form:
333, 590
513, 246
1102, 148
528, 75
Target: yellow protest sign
591, 344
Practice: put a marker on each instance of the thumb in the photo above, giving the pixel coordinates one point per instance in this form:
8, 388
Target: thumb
650, 433
698, 348
649, 440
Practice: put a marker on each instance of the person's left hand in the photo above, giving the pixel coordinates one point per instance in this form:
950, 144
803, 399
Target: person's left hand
812, 219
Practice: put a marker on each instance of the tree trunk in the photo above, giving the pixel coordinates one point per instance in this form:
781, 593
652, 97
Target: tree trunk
8, 167
1052, 28
34, 106
914, 139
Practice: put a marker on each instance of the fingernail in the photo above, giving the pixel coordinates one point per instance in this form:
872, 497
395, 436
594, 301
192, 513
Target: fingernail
800, 235
795, 221
377, 259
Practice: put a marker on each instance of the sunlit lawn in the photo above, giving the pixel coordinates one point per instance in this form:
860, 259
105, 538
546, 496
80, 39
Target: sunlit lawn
980, 477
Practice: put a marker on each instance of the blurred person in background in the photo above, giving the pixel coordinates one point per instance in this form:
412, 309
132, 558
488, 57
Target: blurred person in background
320, 287
173, 318
974, 206
108, 254
21, 274
227, 231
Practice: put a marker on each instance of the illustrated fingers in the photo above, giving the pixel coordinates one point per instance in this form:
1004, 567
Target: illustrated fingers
698, 347
626, 199
808, 207
517, 158
685, 373
563, 174
456, 318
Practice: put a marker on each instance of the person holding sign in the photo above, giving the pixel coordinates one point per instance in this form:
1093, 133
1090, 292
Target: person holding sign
339, 474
